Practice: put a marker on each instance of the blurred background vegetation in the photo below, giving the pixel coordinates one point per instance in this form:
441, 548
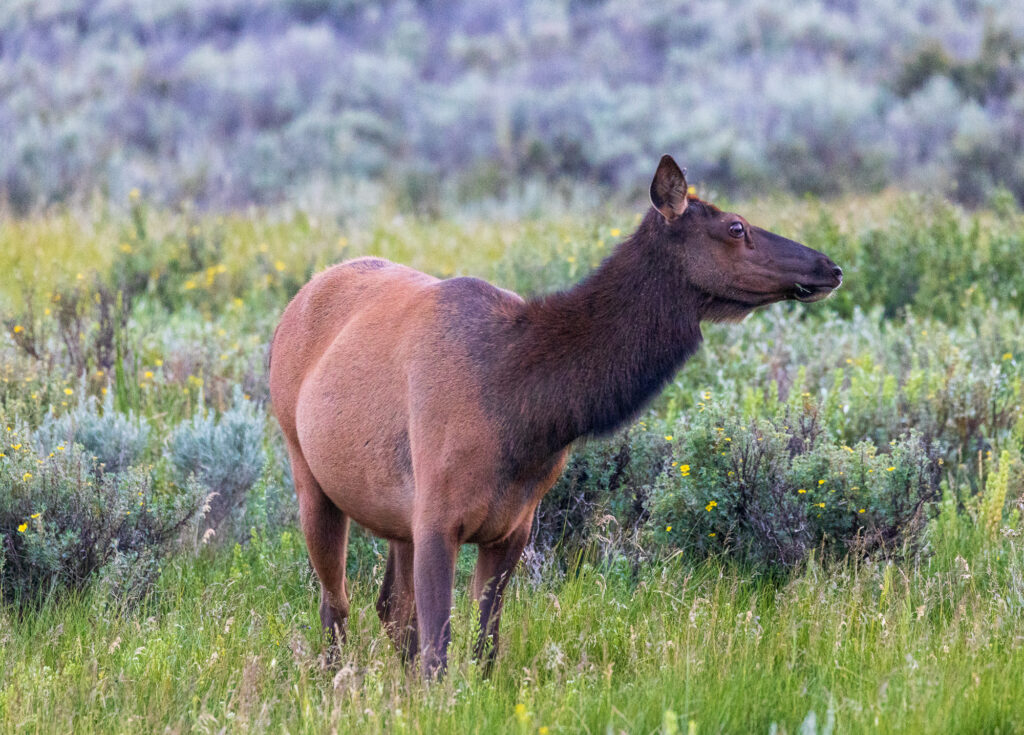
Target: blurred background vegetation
342, 102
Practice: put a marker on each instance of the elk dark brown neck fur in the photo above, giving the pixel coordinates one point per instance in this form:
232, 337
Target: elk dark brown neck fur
583, 361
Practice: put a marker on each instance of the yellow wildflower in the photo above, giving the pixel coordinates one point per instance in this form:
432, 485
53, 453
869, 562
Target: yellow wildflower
68, 391
26, 477
1008, 356
890, 469
279, 265
22, 527
821, 482
668, 437
148, 374
18, 328
35, 515
668, 528
615, 232
861, 510
801, 491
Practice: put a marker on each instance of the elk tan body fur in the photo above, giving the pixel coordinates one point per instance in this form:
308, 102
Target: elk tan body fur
439, 412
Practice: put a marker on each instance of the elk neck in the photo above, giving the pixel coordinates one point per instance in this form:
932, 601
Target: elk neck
585, 360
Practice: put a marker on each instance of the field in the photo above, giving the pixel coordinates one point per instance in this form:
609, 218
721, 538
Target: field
815, 528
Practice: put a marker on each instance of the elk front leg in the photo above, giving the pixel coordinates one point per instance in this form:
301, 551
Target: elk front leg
433, 576
494, 568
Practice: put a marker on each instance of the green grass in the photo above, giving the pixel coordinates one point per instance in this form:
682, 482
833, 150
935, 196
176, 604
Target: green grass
230, 640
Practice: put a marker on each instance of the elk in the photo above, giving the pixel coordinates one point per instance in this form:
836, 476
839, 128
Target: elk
437, 413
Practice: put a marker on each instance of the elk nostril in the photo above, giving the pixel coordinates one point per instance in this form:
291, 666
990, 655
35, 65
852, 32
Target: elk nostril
837, 271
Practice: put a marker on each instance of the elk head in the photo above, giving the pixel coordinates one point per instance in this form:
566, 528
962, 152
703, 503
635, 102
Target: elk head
735, 266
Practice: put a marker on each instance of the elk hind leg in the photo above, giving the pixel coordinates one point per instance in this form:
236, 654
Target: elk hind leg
396, 604
326, 528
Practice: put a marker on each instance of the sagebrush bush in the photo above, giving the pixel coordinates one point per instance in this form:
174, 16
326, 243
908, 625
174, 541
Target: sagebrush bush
114, 440
62, 520
224, 454
604, 486
773, 489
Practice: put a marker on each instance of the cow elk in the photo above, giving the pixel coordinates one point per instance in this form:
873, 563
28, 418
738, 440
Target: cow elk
437, 413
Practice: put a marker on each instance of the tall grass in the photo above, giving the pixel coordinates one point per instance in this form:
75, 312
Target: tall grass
231, 640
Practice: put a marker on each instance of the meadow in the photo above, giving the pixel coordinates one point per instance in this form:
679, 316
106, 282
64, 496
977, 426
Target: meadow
814, 529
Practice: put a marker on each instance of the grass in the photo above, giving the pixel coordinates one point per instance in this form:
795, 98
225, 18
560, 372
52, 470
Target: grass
231, 641
675, 639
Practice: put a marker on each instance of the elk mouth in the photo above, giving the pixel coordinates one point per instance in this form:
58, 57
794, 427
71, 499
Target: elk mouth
813, 292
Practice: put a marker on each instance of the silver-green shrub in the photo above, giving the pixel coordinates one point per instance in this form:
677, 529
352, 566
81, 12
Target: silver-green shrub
115, 440
62, 522
771, 490
225, 454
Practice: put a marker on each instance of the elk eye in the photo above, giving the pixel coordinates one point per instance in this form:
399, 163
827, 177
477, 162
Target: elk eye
736, 229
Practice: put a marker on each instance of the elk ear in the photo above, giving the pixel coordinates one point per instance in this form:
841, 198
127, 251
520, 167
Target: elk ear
668, 190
